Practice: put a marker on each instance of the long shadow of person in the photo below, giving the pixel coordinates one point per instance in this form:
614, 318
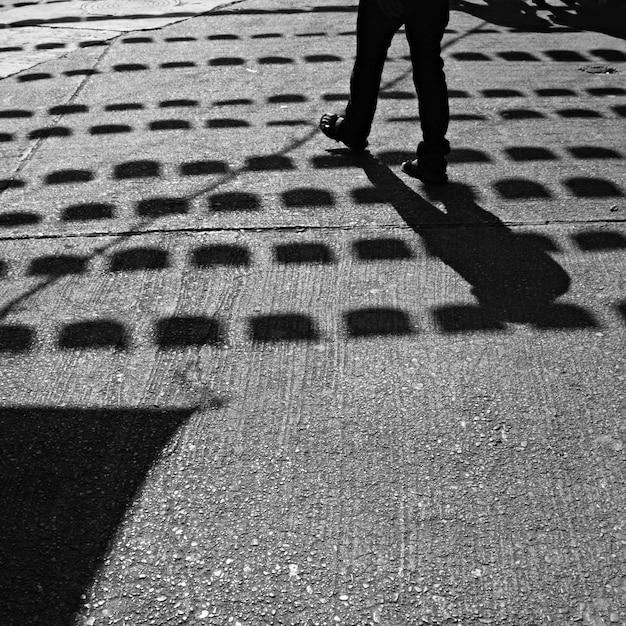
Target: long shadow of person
512, 277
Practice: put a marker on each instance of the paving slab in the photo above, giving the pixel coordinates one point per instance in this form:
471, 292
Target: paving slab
24, 48
117, 15
35, 32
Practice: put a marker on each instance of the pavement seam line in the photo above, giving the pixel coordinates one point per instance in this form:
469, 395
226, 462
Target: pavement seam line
31, 150
264, 229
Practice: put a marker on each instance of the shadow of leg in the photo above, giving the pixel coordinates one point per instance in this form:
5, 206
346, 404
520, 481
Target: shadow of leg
510, 276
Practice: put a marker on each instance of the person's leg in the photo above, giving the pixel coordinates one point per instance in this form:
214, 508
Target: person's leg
425, 26
374, 34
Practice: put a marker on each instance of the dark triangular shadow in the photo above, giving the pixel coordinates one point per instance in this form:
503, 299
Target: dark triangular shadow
67, 479
511, 277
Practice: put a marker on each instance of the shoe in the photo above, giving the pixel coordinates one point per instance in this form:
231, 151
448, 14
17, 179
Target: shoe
331, 125
429, 175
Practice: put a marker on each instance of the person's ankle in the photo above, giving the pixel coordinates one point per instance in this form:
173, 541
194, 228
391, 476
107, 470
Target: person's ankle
432, 149
352, 138
433, 164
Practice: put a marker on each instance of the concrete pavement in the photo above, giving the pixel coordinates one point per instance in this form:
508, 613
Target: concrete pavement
250, 379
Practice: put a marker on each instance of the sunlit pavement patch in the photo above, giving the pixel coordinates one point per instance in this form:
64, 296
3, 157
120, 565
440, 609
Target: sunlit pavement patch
34, 34
120, 15
29, 46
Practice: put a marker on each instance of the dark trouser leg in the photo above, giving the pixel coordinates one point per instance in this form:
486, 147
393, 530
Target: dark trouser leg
374, 34
425, 25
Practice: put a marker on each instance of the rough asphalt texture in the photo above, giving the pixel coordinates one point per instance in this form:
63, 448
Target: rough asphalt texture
248, 379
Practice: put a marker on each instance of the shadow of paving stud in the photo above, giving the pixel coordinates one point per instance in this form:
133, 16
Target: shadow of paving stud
182, 102
58, 265
220, 255
521, 189
600, 240
563, 317
466, 318
16, 338
530, 153
307, 197
138, 259
169, 125
382, 249
587, 187
94, 334
283, 327
227, 122
110, 129
296, 253
234, 201
66, 177
468, 155
68, 109
593, 152
374, 322
45, 133
160, 207
273, 162
177, 332
15, 113
11, 183
203, 168
137, 169
87, 212
19, 218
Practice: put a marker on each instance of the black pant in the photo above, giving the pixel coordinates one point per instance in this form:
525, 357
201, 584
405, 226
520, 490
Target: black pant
425, 22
